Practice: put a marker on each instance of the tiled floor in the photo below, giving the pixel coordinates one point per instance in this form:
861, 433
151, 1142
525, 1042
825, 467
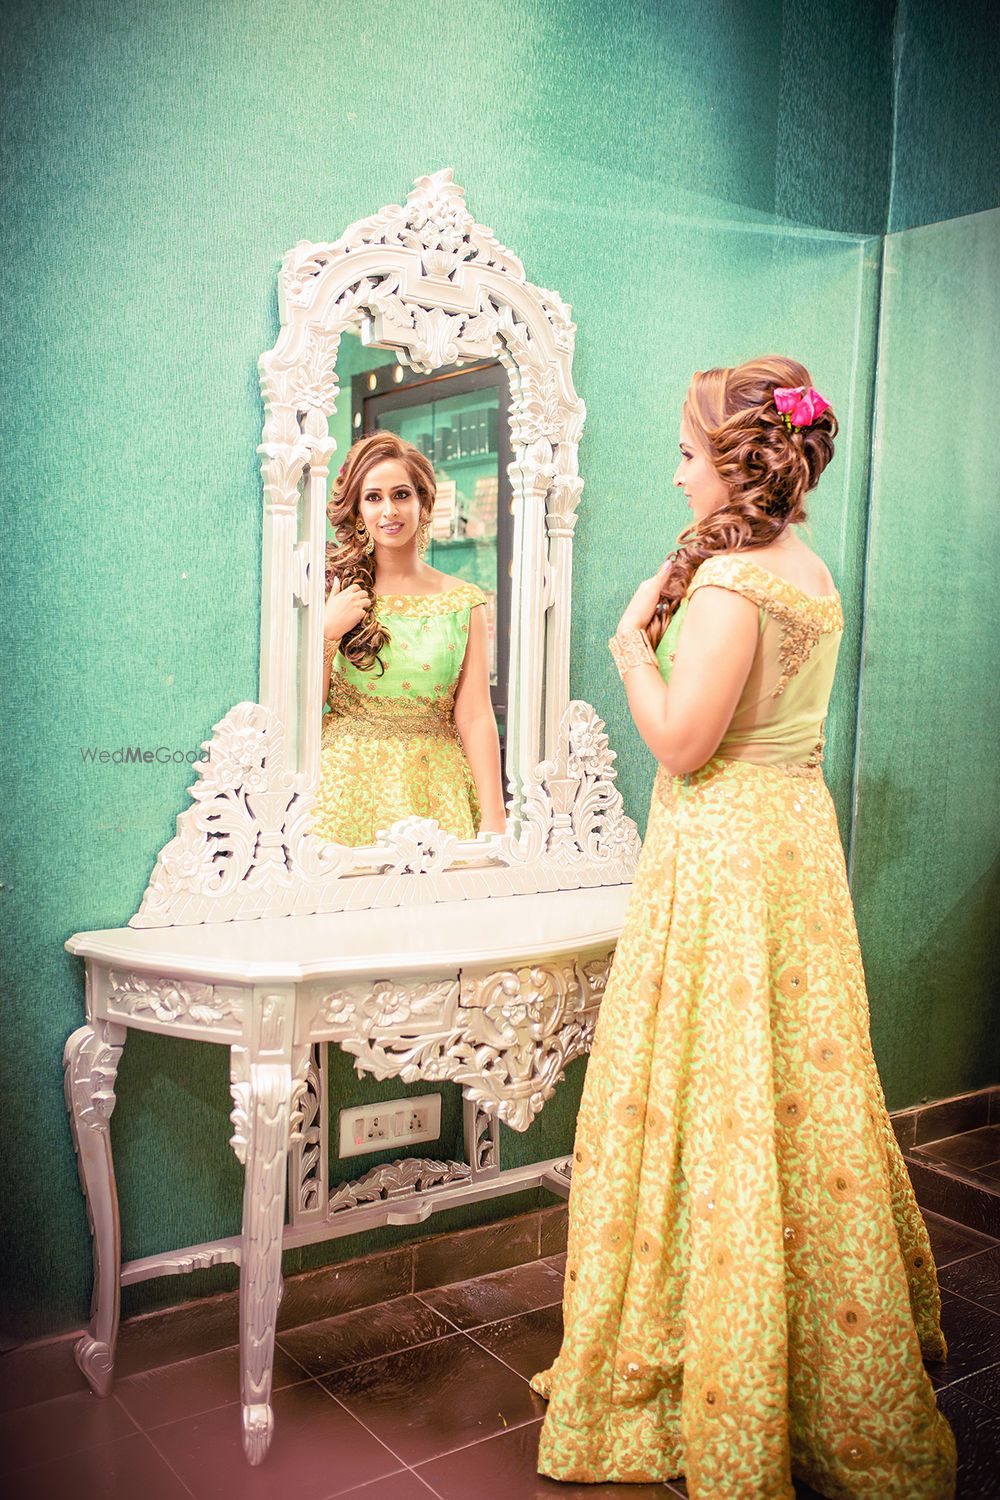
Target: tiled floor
974, 1153
423, 1395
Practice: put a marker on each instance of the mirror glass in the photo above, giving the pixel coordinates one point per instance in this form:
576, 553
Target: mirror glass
417, 622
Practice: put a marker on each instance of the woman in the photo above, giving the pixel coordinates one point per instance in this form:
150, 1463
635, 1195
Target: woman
411, 730
749, 1283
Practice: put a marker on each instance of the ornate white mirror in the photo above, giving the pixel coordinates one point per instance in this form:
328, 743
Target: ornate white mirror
409, 299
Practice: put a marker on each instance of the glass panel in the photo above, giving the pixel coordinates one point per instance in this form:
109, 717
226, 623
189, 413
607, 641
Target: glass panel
459, 435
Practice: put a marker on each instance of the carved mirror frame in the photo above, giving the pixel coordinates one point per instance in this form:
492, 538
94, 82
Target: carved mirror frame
423, 279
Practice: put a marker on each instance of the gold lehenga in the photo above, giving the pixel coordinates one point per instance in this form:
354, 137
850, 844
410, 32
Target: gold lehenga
749, 1283
389, 747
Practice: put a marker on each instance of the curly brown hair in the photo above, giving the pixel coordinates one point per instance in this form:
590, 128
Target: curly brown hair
767, 468
346, 558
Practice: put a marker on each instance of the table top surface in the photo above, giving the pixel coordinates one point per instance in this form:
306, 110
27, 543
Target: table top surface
501, 931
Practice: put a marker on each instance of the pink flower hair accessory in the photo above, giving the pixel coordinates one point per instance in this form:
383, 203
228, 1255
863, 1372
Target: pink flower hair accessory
799, 406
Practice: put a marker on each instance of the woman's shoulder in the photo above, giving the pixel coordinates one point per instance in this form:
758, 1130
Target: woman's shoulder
813, 596
751, 571
459, 591
727, 570
453, 595
803, 568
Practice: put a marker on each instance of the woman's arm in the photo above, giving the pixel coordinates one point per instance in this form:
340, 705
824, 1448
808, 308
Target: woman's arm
344, 608
683, 721
331, 645
477, 726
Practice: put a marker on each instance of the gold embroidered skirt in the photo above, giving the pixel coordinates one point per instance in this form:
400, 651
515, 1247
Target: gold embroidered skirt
396, 759
749, 1283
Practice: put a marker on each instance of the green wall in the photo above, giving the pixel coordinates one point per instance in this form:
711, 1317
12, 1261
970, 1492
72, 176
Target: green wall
926, 867
701, 180
947, 113
925, 841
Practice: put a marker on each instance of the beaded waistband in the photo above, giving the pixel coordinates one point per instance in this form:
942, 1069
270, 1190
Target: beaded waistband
355, 713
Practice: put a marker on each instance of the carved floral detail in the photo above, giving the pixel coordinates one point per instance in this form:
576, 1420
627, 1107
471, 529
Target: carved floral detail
240, 1091
251, 850
398, 1179
306, 1188
431, 336
572, 811
434, 222
90, 1060
418, 846
244, 841
173, 1001
505, 1036
482, 1139
387, 1003
540, 412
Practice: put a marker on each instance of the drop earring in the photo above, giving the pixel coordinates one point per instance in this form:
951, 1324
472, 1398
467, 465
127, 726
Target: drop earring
364, 537
424, 538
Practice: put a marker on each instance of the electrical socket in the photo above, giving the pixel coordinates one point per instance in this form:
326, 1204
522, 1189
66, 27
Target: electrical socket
392, 1123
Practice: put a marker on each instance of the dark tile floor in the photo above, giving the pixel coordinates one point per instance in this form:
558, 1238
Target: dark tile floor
973, 1153
423, 1395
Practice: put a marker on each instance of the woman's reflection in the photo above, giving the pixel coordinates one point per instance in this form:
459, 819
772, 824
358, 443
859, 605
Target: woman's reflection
410, 729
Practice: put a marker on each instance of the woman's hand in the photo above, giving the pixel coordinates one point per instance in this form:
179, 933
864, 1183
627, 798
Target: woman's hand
493, 825
344, 609
642, 605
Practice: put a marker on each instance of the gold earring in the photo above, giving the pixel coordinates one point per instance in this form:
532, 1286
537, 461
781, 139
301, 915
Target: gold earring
364, 537
424, 538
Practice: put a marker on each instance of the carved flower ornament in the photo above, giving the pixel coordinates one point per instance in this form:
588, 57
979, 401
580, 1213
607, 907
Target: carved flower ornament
185, 866
419, 844
519, 1006
388, 1004
587, 746
449, 222
618, 834
238, 762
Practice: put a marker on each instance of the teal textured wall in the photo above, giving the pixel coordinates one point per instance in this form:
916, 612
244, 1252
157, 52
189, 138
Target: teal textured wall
947, 158
926, 876
703, 181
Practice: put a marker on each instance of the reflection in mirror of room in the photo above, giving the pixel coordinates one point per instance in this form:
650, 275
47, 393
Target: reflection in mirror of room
459, 418
430, 596
410, 731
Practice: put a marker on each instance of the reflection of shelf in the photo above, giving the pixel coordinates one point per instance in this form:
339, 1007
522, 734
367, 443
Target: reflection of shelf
444, 464
464, 541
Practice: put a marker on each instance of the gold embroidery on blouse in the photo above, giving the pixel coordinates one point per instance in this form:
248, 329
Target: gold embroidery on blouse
351, 712
803, 618
808, 767
420, 606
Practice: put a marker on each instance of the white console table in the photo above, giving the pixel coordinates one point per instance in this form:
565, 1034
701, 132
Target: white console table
495, 995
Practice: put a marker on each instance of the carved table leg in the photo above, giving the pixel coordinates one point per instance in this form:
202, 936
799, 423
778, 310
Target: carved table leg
90, 1060
263, 1096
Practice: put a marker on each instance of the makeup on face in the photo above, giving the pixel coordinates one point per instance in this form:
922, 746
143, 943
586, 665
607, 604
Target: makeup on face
695, 475
389, 504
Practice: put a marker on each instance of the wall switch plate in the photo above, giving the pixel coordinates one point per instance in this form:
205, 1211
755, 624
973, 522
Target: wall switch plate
393, 1124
